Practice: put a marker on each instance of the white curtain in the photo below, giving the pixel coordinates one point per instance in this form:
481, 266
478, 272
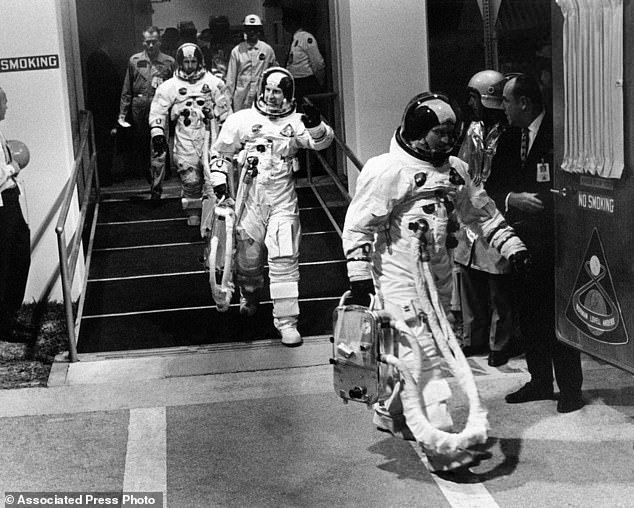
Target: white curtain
593, 86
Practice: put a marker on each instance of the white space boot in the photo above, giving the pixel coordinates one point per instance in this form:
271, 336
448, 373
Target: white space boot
288, 329
192, 208
291, 337
193, 219
249, 302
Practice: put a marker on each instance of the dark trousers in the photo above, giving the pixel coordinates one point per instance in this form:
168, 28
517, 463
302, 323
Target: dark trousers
140, 147
487, 308
536, 304
15, 257
105, 146
140, 152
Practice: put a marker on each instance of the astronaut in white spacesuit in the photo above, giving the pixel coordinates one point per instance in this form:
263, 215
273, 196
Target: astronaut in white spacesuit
417, 184
267, 136
193, 97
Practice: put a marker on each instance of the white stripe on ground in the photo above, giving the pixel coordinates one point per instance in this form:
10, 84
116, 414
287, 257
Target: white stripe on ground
200, 272
140, 221
200, 307
459, 495
146, 454
153, 246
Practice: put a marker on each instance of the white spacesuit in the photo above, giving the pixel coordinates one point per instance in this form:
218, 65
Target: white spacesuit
267, 137
192, 97
417, 185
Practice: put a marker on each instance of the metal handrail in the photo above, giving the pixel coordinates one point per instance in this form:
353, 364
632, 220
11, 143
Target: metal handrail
347, 151
81, 179
345, 148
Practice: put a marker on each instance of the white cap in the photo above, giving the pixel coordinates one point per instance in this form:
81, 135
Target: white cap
252, 20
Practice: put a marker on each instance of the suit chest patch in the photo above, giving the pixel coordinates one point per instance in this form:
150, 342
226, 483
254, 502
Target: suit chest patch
288, 131
420, 179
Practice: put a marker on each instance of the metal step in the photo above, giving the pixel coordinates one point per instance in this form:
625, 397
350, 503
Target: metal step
185, 257
147, 288
187, 290
191, 327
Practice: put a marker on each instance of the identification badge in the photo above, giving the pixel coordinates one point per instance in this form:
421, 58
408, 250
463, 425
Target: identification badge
543, 172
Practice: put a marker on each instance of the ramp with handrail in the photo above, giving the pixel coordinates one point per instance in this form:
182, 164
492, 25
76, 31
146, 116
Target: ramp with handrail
144, 289
80, 185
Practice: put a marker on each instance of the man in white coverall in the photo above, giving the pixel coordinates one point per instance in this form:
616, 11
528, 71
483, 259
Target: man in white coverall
193, 97
247, 62
268, 136
417, 182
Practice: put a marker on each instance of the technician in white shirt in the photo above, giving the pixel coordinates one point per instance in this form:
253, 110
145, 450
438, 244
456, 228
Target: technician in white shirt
247, 62
304, 62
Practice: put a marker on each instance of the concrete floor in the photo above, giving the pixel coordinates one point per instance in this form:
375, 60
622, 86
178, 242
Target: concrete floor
259, 425
266, 429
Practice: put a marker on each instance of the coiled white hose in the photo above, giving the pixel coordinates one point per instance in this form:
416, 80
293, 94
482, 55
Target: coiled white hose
222, 293
432, 439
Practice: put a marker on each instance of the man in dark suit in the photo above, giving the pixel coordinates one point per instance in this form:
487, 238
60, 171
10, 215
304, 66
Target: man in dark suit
15, 239
520, 184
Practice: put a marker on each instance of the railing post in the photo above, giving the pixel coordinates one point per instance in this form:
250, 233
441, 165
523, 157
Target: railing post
67, 293
79, 183
309, 170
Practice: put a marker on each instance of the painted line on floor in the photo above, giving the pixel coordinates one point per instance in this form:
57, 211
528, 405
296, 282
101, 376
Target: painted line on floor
314, 233
148, 276
180, 244
149, 246
203, 272
200, 307
459, 495
141, 221
146, 452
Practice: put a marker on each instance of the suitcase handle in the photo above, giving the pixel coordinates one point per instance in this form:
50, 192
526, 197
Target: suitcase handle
348, 293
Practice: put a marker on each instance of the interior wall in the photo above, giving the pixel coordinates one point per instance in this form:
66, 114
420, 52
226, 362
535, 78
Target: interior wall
39, 115
170, 13
383, 63
126, 19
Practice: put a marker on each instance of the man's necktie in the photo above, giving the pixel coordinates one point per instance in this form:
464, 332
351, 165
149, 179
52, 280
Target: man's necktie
524, 146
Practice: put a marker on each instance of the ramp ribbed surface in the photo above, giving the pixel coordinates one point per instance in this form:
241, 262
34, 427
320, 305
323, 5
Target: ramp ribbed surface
147, 286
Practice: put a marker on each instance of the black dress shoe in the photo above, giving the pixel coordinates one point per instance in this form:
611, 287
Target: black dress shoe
569, 403
528, 393
497, 358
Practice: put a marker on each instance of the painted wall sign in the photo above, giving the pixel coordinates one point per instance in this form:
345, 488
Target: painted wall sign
593, 307
598, 202
596, 183
29, 63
